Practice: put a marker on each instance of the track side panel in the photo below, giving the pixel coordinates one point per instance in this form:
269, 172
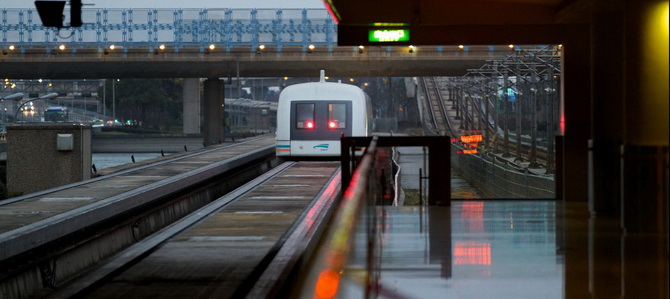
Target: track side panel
219, 257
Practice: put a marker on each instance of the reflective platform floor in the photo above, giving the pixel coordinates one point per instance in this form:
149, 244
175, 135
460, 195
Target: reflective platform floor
502, 249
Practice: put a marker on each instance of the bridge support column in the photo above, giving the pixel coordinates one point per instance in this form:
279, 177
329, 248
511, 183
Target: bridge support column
191, 118
213, 125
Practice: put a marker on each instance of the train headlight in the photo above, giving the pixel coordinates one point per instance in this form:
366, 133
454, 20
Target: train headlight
333, 124
309, 124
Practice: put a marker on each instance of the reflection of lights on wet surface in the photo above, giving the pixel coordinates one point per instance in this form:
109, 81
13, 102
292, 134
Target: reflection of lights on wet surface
414, 265
326, 286
472, 253
472, 216
464, 195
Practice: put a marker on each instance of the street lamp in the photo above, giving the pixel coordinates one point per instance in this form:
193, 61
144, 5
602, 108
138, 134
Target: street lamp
49, 96
12, 97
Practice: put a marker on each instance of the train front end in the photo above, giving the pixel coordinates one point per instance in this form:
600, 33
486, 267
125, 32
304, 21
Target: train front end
312, 117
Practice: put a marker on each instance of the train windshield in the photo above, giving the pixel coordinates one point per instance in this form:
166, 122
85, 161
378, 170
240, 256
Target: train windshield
304, 116
337, 116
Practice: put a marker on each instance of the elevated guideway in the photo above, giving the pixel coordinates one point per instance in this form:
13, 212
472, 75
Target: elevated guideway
491, 169
241, 243
60, 232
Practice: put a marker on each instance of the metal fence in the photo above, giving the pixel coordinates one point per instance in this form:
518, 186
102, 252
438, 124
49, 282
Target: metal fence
495, 180
176, 29
389, 124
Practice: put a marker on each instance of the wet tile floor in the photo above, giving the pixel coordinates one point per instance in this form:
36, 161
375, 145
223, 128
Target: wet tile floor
504, 249
473, 249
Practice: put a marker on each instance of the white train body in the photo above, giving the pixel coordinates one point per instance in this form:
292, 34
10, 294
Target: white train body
311, 118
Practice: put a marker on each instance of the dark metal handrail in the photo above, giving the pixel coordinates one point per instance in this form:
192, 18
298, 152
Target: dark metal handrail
439, 158
360, 180
324, 276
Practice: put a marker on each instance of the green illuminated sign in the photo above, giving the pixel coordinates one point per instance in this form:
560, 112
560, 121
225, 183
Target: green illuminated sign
388, 35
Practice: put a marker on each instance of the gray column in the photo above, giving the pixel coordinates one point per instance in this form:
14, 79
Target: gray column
213, 124
191, 106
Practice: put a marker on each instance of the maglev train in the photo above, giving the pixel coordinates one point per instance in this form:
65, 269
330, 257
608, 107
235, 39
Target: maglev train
311, 118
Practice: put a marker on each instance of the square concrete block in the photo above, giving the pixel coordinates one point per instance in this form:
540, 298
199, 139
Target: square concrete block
46, 155
64, 142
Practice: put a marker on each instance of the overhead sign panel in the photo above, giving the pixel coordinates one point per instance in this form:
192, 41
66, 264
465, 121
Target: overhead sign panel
378, 34
388, 35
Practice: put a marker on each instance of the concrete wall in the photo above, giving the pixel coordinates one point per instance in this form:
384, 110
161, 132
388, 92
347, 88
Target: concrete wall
494, 180
34, 163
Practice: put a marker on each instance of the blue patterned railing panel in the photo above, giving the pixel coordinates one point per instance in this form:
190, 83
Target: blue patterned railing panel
177, 29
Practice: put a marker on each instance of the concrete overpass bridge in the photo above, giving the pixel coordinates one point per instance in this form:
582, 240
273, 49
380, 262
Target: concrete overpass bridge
291, 61
210, 43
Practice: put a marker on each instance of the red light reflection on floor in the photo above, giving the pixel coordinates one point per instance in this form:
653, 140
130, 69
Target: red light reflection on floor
471, 216
472, 253
327, 284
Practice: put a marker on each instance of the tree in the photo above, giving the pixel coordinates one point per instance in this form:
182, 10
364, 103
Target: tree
154, 103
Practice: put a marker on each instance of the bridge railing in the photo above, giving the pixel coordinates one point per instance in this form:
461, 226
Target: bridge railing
126, 29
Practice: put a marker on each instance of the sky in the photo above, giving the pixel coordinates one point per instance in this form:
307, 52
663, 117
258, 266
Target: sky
180, 4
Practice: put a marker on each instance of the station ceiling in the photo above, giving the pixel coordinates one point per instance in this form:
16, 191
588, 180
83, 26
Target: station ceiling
445, 22
461, 12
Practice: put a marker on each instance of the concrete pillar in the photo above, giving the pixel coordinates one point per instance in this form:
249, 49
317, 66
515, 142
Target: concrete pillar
43, 156
571, 175
608, 108
576, 94
191, 106
213, 124
645, 147
605, 251
630, 151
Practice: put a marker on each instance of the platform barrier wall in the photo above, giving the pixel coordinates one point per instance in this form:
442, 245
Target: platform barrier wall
495, 181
